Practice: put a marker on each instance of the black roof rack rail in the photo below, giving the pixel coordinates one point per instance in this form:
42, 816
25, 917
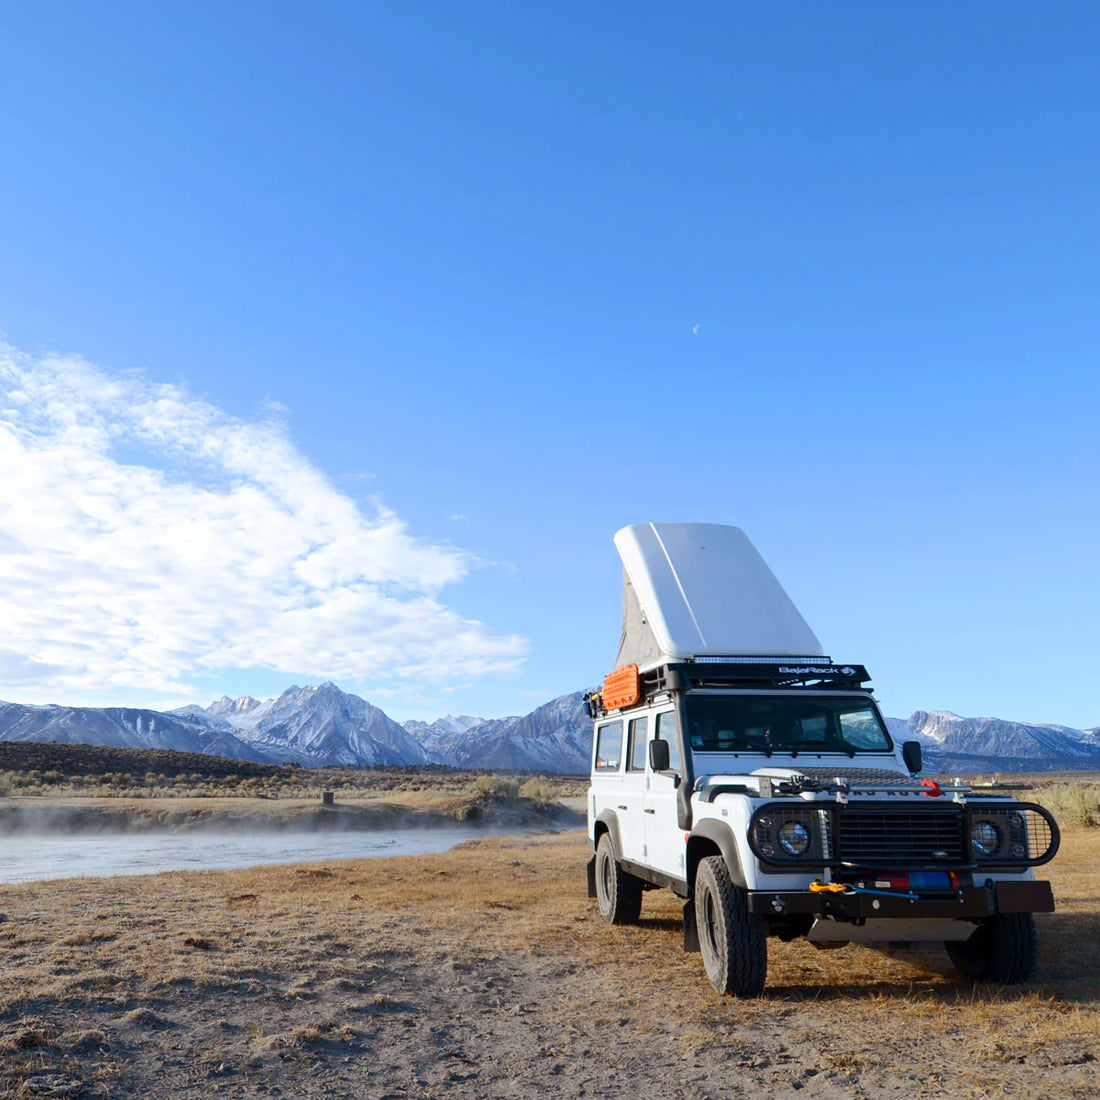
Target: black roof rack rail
838, 677
682, 675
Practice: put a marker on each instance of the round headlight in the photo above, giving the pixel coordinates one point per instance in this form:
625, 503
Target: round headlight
793, 838
986, 838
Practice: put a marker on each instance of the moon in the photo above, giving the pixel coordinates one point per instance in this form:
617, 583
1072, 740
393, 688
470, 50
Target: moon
694, 330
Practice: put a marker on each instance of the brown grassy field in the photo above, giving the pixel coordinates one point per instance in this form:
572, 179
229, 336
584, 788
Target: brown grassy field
486, 971
356, 810
33, 769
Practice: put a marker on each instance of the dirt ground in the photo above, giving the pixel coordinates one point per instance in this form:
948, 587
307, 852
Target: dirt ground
486, 972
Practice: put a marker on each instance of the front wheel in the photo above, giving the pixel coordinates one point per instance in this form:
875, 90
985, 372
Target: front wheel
731, 939
619, 893
1002, 950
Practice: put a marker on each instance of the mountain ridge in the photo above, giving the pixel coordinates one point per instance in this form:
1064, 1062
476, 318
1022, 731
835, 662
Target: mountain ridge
996, 743
318, 725
321, 725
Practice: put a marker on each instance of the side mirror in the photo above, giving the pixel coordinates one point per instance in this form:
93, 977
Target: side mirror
911, 754
658, 756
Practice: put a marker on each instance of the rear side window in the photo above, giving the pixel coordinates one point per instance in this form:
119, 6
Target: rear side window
666, 731
639, 734
609, 746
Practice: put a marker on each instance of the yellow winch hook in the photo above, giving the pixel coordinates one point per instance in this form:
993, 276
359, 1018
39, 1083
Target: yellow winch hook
828, 887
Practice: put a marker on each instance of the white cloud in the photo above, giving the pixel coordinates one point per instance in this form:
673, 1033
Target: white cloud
147, 537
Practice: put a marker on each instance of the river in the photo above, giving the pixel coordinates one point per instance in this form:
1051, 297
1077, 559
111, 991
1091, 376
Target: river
31, 858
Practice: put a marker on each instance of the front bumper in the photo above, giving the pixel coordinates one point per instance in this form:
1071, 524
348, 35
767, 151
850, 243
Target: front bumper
970, 903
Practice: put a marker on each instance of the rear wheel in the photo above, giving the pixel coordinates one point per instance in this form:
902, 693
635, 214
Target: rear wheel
619, 894
1003, 950
731, 939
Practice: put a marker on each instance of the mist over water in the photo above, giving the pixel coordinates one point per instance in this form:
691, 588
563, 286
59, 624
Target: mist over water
38, 857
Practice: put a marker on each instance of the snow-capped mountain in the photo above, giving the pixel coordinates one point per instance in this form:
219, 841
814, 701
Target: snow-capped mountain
124, 727
444, 737
996, 744
234, 711
556, 737
324, 725
316, 725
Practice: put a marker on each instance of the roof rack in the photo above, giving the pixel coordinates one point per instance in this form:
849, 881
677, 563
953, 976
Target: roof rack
776, 673
751, 672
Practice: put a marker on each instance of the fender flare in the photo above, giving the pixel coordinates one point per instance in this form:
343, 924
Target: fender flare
611, 820
720, 834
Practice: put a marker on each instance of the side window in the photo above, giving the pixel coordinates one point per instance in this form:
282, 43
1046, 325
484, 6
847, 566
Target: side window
639, 735
666, 731
609, 746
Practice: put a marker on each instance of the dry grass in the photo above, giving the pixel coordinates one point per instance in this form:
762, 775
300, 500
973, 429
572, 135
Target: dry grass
325, 948
356, 810
1072, 803
273, 782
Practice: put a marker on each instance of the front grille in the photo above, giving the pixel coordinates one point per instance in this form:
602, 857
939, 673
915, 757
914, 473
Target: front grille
892, 839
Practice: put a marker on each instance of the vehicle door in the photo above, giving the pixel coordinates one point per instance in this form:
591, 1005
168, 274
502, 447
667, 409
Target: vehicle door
607, 767
665, 847
632, 792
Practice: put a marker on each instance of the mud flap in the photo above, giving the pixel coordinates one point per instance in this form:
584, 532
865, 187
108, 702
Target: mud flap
691, 929
592, 877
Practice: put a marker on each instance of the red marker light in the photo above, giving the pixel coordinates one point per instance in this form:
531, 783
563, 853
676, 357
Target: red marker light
931, 788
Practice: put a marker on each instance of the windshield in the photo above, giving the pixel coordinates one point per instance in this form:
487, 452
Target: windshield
785, 724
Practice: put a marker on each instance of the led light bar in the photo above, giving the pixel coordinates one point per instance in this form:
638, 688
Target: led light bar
735, 660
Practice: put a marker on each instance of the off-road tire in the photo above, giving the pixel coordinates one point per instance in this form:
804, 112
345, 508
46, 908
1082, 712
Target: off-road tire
1002, 950
618, 892
731, 939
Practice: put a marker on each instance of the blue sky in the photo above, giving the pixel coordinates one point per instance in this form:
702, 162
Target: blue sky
444, 262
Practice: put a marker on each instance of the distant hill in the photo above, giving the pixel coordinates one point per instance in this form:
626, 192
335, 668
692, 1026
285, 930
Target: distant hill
86, 760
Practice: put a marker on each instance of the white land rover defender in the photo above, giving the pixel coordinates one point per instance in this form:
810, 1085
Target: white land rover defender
736, 765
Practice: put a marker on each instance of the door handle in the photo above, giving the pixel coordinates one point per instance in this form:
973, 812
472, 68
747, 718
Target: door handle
651, 811
623, 807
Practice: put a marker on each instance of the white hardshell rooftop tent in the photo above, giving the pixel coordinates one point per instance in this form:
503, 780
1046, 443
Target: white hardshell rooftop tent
695, 590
